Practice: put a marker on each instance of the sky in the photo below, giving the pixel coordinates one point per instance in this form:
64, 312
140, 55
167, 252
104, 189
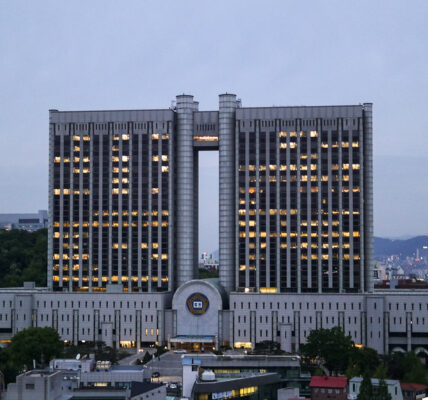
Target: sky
105, 54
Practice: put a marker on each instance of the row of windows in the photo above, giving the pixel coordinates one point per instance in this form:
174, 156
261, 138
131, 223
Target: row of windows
101, 304
297, 306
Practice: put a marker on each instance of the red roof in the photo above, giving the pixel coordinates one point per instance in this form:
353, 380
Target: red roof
413, 386
328, 382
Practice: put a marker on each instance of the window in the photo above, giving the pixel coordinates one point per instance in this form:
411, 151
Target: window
29, 386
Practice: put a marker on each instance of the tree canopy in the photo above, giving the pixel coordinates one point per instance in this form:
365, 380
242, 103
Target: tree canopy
382, 391
363, 361
40, 344
23, 257
331, 347
366, 389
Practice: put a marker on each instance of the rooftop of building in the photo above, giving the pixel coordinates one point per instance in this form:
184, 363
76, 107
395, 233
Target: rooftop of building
413, 387
221, 385
375, 381
143, 387
328, 382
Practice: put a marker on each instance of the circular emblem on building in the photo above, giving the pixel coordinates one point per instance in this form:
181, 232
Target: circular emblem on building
197, 304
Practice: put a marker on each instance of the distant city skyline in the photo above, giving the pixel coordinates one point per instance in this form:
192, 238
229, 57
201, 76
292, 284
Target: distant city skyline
92, 60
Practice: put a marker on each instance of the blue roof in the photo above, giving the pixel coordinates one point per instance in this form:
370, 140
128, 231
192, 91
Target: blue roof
190, 361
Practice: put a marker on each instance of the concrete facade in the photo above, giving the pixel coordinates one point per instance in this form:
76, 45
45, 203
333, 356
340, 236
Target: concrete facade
385, 321
296, 231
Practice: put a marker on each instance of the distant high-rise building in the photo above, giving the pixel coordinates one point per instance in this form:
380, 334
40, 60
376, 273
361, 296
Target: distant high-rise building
24, 221
295, 193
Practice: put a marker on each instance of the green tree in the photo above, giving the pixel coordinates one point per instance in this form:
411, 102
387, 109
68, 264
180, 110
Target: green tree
40, 344
362, 361
382, 391
381, 372
406, 367
366, 389
23, 257
330, 347
415, 371
147, 357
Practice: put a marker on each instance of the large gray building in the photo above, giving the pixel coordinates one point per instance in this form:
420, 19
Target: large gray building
296, 231
295, 197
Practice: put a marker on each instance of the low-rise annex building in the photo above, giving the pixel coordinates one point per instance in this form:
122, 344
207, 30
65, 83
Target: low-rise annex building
200, 315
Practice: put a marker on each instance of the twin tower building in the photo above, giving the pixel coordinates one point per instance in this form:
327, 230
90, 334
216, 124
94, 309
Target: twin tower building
295, 224
295, 198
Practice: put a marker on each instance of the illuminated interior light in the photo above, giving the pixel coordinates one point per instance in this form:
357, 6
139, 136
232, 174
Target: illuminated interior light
205, 138
268, 290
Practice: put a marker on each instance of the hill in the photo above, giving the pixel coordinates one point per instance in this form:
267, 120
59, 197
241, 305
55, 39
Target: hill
403, 248
23, 257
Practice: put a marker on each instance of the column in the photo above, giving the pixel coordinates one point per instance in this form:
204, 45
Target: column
227, 108
185, 190
368, 194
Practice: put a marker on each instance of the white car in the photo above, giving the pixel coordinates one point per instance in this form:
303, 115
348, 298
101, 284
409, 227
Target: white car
180, 351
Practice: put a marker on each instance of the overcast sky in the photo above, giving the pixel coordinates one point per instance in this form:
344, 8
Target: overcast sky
140, 54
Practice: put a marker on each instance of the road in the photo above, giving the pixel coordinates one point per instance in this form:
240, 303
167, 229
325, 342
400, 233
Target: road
169, 367
169, 364
131, 360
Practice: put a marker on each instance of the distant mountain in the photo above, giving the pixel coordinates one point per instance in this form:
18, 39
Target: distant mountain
403, 248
